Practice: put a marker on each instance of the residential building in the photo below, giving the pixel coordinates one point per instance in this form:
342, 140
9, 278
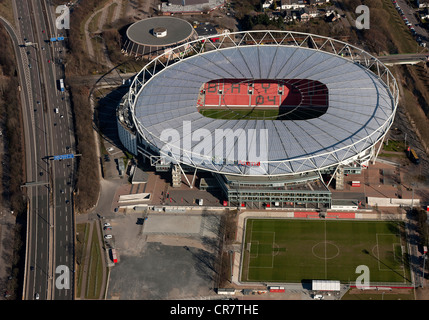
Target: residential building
292, 4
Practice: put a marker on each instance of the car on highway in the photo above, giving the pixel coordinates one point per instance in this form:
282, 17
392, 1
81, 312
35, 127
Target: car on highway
108, 236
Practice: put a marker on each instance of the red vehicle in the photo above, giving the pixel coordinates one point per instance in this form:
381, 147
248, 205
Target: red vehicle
114, 257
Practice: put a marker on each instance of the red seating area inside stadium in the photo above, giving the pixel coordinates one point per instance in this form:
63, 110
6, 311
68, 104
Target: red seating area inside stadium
263, 93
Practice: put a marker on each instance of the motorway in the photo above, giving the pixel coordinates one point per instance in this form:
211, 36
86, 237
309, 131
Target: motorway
50, 227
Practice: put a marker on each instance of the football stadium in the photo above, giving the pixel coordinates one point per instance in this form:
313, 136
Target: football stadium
276, 117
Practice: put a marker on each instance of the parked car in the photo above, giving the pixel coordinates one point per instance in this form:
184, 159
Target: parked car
108, 236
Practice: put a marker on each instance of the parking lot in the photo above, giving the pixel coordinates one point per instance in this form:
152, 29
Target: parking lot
163, 256
408, 15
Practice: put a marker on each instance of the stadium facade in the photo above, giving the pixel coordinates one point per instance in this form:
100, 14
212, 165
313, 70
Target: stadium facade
275, 116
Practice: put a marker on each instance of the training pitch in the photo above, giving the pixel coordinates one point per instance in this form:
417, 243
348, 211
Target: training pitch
282, 250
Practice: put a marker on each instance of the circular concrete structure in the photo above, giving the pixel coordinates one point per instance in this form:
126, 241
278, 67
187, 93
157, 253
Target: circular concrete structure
154, 36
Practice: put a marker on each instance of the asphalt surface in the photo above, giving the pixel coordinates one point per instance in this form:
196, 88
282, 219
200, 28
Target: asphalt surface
409, 13
50, 218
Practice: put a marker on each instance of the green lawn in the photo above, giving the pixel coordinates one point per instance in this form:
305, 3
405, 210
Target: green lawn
237, 114
393, 145
95, 270
281, 250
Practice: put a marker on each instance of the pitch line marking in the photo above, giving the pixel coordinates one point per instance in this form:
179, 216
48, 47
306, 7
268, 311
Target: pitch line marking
376, 248
272, 252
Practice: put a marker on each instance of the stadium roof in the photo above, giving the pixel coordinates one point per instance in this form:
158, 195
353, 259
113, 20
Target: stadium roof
360, 111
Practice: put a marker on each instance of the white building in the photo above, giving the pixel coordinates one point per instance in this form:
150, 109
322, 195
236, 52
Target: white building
423, 3
267, 4
292, 4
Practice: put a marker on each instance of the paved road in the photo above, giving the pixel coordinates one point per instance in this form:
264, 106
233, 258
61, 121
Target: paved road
403, 58
409, 12
33, 127
50, 220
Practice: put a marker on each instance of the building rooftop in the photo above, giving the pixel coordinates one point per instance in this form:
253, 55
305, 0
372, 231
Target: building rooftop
335, 108
142, 32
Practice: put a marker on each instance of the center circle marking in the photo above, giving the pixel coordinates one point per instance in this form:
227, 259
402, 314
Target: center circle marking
331, 248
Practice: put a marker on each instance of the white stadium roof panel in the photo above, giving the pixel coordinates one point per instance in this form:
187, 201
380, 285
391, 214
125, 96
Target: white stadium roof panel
359, 104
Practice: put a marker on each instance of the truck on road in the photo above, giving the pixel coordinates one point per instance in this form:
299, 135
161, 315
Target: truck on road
61, 81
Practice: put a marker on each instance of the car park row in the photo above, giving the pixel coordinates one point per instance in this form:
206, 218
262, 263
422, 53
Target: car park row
408, 23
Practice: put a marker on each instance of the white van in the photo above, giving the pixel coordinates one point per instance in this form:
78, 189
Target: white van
56, 110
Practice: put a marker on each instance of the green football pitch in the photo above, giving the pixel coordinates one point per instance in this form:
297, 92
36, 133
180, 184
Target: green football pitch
240, 114
282, 250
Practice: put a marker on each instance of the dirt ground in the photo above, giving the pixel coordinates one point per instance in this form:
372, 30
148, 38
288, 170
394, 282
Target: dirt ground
422, 293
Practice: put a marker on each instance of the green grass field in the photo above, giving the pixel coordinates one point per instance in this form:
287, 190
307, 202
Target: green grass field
281, 250
237, 114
